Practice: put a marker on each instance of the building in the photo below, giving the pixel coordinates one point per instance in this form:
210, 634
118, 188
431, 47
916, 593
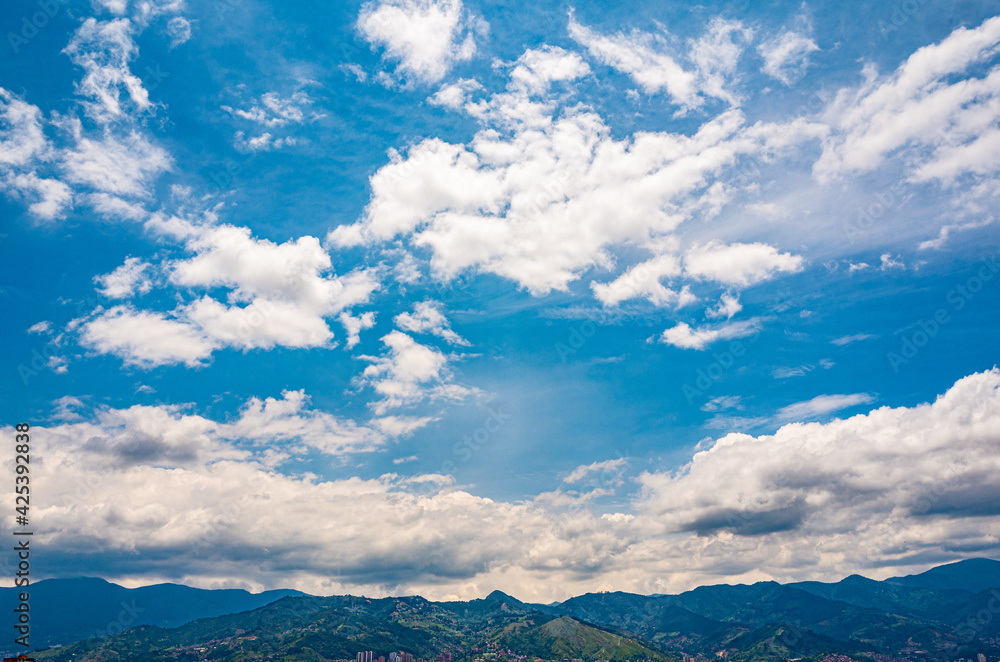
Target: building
365, 656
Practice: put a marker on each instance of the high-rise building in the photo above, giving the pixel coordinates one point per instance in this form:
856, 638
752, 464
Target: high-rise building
365, 656
981, 657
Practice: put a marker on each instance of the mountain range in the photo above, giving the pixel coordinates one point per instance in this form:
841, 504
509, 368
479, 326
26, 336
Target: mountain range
947, 613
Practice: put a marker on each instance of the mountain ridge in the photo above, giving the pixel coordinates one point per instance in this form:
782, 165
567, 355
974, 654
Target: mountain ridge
856, 616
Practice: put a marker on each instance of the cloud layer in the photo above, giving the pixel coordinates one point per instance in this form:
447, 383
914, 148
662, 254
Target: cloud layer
887, 490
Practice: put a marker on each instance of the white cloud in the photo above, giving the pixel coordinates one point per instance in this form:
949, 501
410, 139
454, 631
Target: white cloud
607, 467
120, 166
229, 256
855, 489
722, 403
946, 127
890, 262
112, 207
729, 304
263, 142
944, 234
145, 339
40, 327
104, 49
116, 7
280, 294
353, 326
359, 74
684, 337
644, 57
811, 501
126, 280
549, 200
739, 265
145, 11
274, 111
643, 280
426, 37
455, 95
22, 138
179, 30
410, 372
798, 371
50, 196
428, 318
23, 149
822, 405
653, 62
401, 426
274, 421
850, 340
786, 56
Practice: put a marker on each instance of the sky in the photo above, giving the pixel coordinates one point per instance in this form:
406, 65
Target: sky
448, 296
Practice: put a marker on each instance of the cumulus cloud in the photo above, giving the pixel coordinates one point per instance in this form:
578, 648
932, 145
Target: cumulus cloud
425, 37
811, 501
551, 195
739, 264
279, 294
946, 127
428, 318
729, 304
408, 373
644, 280
656, 64
126, 280
455, 95
861, 484
353, 326
786, 56
145, 338
684, 337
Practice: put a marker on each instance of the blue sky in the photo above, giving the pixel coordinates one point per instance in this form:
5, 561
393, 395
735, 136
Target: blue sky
441, 296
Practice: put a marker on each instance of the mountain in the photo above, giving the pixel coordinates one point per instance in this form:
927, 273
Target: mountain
931, 616
68, 610
973, 575
937, 604
310, 629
